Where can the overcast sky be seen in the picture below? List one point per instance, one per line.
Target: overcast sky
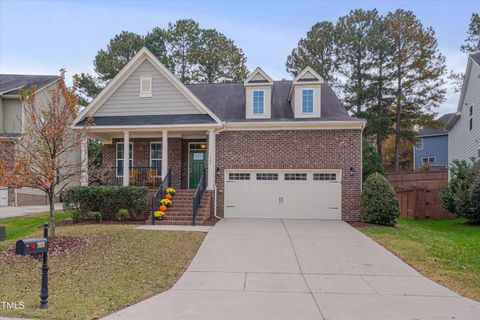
(40, 37)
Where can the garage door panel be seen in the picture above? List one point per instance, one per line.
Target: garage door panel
(280, 198)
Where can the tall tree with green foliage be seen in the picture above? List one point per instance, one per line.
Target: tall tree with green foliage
(472, 42)
(183, 44)
(372, 162)
(471, 45)
(379, 116)
(354, 34)
(193, 54)
(316, 50)
(419, 69)
(108, 63)
(219, 59)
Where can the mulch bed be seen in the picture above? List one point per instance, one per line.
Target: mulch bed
(58, 245)
(90, 222)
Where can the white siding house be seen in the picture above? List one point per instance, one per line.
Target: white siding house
(464, 126)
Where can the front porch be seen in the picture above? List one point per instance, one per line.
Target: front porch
(188, 154)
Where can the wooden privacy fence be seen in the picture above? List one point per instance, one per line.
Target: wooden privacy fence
(418, 193)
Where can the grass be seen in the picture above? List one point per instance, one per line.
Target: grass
(446, 251)
(18, 227)
(119, 266)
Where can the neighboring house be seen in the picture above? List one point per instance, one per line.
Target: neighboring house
(464, 126)
(431, 150)
(267, 149)
(12, 126)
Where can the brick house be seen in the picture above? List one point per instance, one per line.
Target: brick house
(261, 148)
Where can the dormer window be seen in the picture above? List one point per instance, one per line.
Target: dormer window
(258, 102)
(145, 86)
(305, 94)
(258, 95)
(307, 100)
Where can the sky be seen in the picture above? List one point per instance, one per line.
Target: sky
(41, 37)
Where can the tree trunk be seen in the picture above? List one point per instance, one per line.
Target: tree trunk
(397, 135)
(380, 108)
(51, 200)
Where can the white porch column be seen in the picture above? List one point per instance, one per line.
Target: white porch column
(211, 160)
(84, 162)
(126, 158)
(164, 153)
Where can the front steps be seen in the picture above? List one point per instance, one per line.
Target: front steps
(180, 212)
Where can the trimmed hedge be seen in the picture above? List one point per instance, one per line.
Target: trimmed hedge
(107, 200)
(379, 201)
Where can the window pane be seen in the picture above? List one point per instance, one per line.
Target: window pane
(307, 101)
(258, 102)
(295, 176)
(267, 176)
(239, 176)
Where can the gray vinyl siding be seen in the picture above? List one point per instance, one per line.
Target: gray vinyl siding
(166, 99)
(463, 143)
(12, 115)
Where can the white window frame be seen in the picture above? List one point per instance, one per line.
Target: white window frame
(428, 160)
(143, 91)
(253, 103)
(156, 159)
(420, 142)
(313, 100)
(117, 159)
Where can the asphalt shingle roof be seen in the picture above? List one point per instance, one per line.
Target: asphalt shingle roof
(150, 120)
(11, 83)
(227, 101)
(436, 131)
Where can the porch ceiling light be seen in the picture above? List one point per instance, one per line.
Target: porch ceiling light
(203, 146)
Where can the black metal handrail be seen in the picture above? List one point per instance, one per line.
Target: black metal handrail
(197, 198)
(166, 183)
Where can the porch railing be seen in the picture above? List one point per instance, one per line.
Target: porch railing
(197, 198)
(139, 176)
(166, 183)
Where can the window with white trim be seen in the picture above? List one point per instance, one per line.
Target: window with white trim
(419, 145)
(119, 160)
(145, 86)
(258, 102)
(427, 160)
(295, 176)
(239, 176)
(324, 176)
(156, 156)
(307, 100)
(267, 176)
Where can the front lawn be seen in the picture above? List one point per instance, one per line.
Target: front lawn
(111, 267)
(19, 226)
(446, 251)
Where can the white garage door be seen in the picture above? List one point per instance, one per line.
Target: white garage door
(3, 197)
(295, 194)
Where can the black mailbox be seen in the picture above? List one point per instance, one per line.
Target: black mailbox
(31, 246)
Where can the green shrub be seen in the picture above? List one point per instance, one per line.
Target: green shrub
(123, 214)
(456, 196)
(473, 215)
(379, 201)
(95, 215)
(77, 215)
(372, 162)
(107, 200)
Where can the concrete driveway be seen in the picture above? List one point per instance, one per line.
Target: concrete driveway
(299, 269)
(8, 212)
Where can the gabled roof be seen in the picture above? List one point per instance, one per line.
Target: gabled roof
(130, 67)
(473, 60)
(258, 71)
(10, 84)
(227, 101)
(307, 76)
(439, 130)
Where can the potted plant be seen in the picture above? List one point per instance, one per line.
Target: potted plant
(159, 215)
(171, 191)
(166, 202)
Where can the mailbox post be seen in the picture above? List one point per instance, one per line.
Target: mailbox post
(44, 288)
(37, 247)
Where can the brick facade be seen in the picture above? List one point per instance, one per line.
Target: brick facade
(282, 149)
(294, 149)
